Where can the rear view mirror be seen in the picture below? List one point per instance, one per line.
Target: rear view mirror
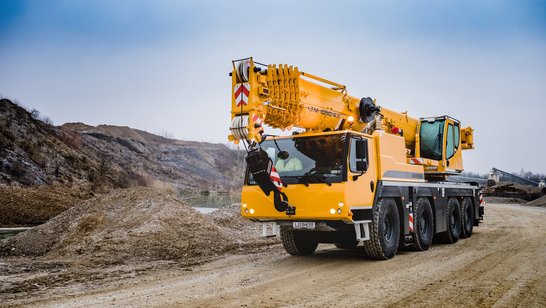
(361, 149)
(361, 157)
(362, 165)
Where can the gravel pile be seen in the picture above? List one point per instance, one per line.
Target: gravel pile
(503, 200)
(136, 224)
(233, 225)
(537, 202)
(514, 190)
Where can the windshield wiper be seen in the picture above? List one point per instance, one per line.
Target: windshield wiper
(322, 178)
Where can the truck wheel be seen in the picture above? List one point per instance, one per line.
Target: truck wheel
(384, 231)
(453, 222)
(467, 218)
(297, 243)
(423, 225)
(346, 244)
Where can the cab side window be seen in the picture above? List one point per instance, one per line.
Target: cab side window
(450, 142)
(457, 137)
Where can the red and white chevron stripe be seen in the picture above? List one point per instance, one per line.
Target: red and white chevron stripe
(416, 161)
(241, 91)
(274, 176)
(411, 222)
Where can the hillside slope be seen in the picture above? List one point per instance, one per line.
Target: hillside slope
(105, 157)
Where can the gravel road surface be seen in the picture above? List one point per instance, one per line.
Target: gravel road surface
(503, 264)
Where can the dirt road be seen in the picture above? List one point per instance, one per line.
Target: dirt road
(502, 264)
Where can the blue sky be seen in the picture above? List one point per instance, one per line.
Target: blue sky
(163, 65)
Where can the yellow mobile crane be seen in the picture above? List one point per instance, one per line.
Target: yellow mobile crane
(358, 173)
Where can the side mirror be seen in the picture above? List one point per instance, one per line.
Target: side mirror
(361, 156)
(361, 149)
(362, 165)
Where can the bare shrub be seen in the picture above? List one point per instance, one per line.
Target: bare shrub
(47, 120)
(131, 178)
(71, 139)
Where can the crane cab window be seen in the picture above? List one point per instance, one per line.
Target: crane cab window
(431, 138)
(452, 143)
(457, 132)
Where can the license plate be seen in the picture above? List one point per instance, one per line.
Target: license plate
(303, 224)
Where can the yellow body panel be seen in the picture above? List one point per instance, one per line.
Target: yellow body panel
(391, 161)
(312, 203)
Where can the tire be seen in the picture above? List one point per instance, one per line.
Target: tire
(297, 243)
(467, 218)
(346, 244)
(423, 225)
(453, 222)
(384, 231)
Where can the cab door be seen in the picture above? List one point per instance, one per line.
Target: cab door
(452, 155)
(361, 172)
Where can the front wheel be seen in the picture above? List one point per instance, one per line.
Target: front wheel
(297, 243)
(384, 231)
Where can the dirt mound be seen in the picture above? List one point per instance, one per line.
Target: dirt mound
(503, 200)
(231, 223)
(30, 206)
(514, 190)
(127, 225)
(537, 202)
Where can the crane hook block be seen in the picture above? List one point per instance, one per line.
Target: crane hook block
(264, 174)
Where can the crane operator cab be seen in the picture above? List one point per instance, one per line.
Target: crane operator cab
(440, 141)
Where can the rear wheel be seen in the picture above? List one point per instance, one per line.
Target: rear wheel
(297, 243)
(423, 225)
(384, 231)
(453, 222)
(467, 218)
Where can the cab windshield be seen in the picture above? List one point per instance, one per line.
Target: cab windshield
(317, 159)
